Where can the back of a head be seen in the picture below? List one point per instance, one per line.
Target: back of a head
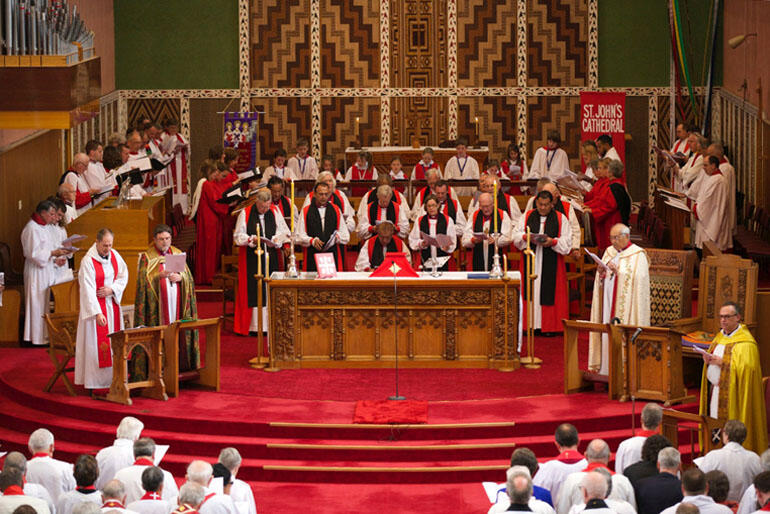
(199, 472)
(86, 470)
(687, 508)
(762, 482)
(595, 486)
(736, 431)
(652, 414)
(694, 481)
(144, 447)
(669, 459)
(230, 458)
(9, 477)
(718, 485)
(130, 428)
(607, 478)
(24, 509)
(40, 440)
(525, 457)
(652, 446)
(598, 451)
(566, 435)
(152, 479)
(15, 460)
(519, 485)
(114, 490)
(87, 508)
(191, 494)
(616, 168)
(764, 460)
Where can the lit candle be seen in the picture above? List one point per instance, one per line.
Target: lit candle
(494, 213)
(291, 207)
(267, 262)
(476, 121)
(358, 125)
(259, 257)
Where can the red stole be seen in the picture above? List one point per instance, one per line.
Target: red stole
(40, 454)
(646, 433)
(183, 155)
(37, 219)
(13, 490)
(375, 259)
(104, 350)
(678, 145)
(150, 496)
(570, 457)
(113, 504)
(185, 509)
(357, 174)
(144, 461)
(207, 498)
(593, 466)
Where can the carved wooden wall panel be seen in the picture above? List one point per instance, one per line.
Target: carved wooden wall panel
(280, 43)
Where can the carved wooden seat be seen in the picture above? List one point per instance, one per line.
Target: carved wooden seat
(62, 333)
(671, 284)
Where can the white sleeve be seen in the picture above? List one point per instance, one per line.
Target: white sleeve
(451, 231)
(467, 233)
(301, 232)
(461, 221)
(564, 242)
(37, 252)
(363, 225)
(89, 304)
(513, 205)
(240, 237)
(306, 202)
(519, 232)
(342, 232)
(574, 226)
(121, 280)
(414, 237)
(403, 223)
(363, 203)
(282, 232)
(362, 263)
(506, 231)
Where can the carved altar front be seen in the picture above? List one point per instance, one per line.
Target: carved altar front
(448, 322)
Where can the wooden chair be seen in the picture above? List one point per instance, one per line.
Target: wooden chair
(208, 374)
(671, 284)
(10, 314)
(62, 333)
(704, 426)
(66, 296)
(227, 278)
(576, 273)
(575, 379)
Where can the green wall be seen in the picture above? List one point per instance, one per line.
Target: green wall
(635, 41)
(176, 44)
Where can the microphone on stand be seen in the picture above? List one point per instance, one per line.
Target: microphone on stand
(636, 335)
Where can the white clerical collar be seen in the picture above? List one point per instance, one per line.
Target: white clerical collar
(731, 333)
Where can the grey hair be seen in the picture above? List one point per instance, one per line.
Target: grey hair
(230, 458)
(764, 460)
(144, 447)
(616, 168)
(652, 413)
(263, 195)
(103, 232)
(598, 451)
(114, 490)
(86, 507)
(40, 439)
(517, 494)
(431, 172)
(130, 428)
(323, 175)
(199, 472)
(607, 476)
(15, 460)
(384, 191)
(669, 458)
(191, 494)
(595, 485)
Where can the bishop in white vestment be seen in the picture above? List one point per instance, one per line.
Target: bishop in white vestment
(712, 208)
(622, 292)
(103, 277)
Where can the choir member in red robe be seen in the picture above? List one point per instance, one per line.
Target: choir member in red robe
(209, 225)
(514, 167)
(362, 169)
(609, 202)
(427, 163)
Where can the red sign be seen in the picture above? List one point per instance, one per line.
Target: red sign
(324, 263)
(604, 113)
(395, 263)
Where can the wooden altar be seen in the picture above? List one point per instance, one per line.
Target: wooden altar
(133, 227)
(348, 322)
(382, 155)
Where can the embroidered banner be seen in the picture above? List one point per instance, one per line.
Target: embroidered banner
(604, 113)
(241, 133)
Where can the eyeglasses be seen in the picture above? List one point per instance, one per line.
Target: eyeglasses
(619, 236)
(727, 316)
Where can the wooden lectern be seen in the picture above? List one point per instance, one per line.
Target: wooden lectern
(123, 343)
(208, 374)
(575, 379)
(652, 363)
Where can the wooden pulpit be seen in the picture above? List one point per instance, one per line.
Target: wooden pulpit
(208, 374)
(652, 363)
(123, 343)
(575, 379)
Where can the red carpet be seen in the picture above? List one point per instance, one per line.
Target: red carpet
(294, 430)
(390, 412)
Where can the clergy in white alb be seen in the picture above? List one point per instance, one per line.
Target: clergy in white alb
(739, 464)
(398, 197)
(114, 498)
(621, 290)
(103, 276)
(67, 194)
(240, 491)
(55, 475)
(728, 171)
(338, 198)
(200, 472)
(178, 169)
(432, 177)
(485, 227)
(695, 489)
(689, 173)
(432, 223)
(505, 201)
(131, 477)
(594, 488)
(748, 502)
(121, 454)
(152, 501)
(598, 456)
(712, 208)
(374, 250)
(552, 473)
(11, 485)
(549, 161)
(85, 473)
(19, 461)
(562, 205)
(630, 450)
(96, 176)
(552, 242)
(382, 208)
(42, 256)
(462, 166)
